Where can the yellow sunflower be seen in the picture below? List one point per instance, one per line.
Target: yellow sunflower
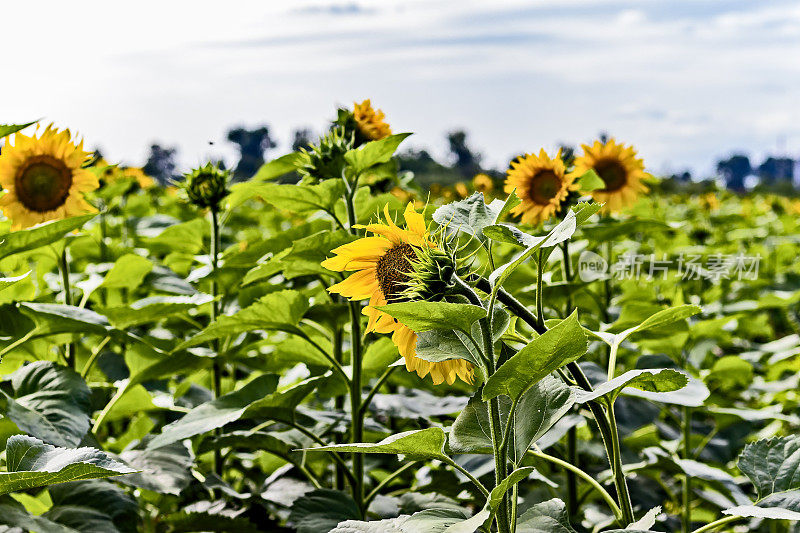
(43, 178)
(541, 183)
(482, 183)
(620, 169)
(370, 121)
(381, 263)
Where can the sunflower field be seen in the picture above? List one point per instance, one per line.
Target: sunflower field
(326, 347)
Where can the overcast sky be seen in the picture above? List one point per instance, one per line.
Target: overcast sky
(685, 81)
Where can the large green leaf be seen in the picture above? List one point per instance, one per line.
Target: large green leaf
(426, 316)
(216, 413)
(52, 319)
(50, 402)
(773, 465)
(280, 310)
(41, 235)
(538, 409)
(560, 233)
(659, 380)
(16, 516)
(421, 444)
(152, 309)
(373, 153)
(278, 167)
(322, 510)
(94, 505)
(470, 215)
(128, 272)
(281, 405)
(300, 199)
(166, 470)
(562, 344)
(32, 463)
(545, 517)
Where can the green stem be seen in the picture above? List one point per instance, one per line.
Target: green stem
(64, 267)
(378, 384)
(95, 353)
(22, 340)
(586, 477)
(717, 523)
(388, 479)
(572, 433)
(467, 473)
(215, 311)
(687, 480)
(539, 286)
(620, 483)
(338, 402)
(356, 413)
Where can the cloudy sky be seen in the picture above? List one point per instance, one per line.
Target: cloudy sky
(686, 81)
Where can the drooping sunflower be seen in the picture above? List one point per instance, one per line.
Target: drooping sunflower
(44, 178)
(381, 263)
(541, 183)
(618, 167)
(370, 122)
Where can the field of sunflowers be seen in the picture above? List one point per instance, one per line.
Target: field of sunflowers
(326, 347)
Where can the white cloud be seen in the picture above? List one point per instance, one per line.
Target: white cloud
(685, 84)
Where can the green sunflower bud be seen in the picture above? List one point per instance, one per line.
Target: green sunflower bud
(433, 272)
(325, 160)
(206, 186)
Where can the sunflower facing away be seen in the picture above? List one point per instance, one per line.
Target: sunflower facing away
(370, 122)
(43, 178)
(618, 166)
(381, 263)
(541, 183)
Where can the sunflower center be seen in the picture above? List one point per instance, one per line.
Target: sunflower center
(392, 269)
(42, 183)
(612, 173)
(545, 185)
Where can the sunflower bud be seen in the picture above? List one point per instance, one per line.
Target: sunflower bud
(206, 186)
(325, 160)
(433, 272)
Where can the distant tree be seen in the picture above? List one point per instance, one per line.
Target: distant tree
(776, 169)
(161, 164)
(302, 138)
(734, 170)
(253, 146)
(467, 162)
(426, 169)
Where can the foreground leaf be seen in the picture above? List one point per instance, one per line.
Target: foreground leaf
(562, 344)
(280, 310)
(662, 380)
(216, 413)
(32, 463)
(426, 316)
(420, 444)
(51, 402)
(322, 510)
(41, 235)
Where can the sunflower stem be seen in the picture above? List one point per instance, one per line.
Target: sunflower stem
(499, 436)
(356, 412)
(215, 311)
(572, 433)
(64, 267)
(686, 517)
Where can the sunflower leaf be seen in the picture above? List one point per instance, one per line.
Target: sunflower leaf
(41, 235)
(373, 152)
(427, 316)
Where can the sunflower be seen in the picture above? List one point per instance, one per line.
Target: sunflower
(370, 122)
(541, 183)
(44, 178)
(482, 183)
(381, 262)
(618, 167)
